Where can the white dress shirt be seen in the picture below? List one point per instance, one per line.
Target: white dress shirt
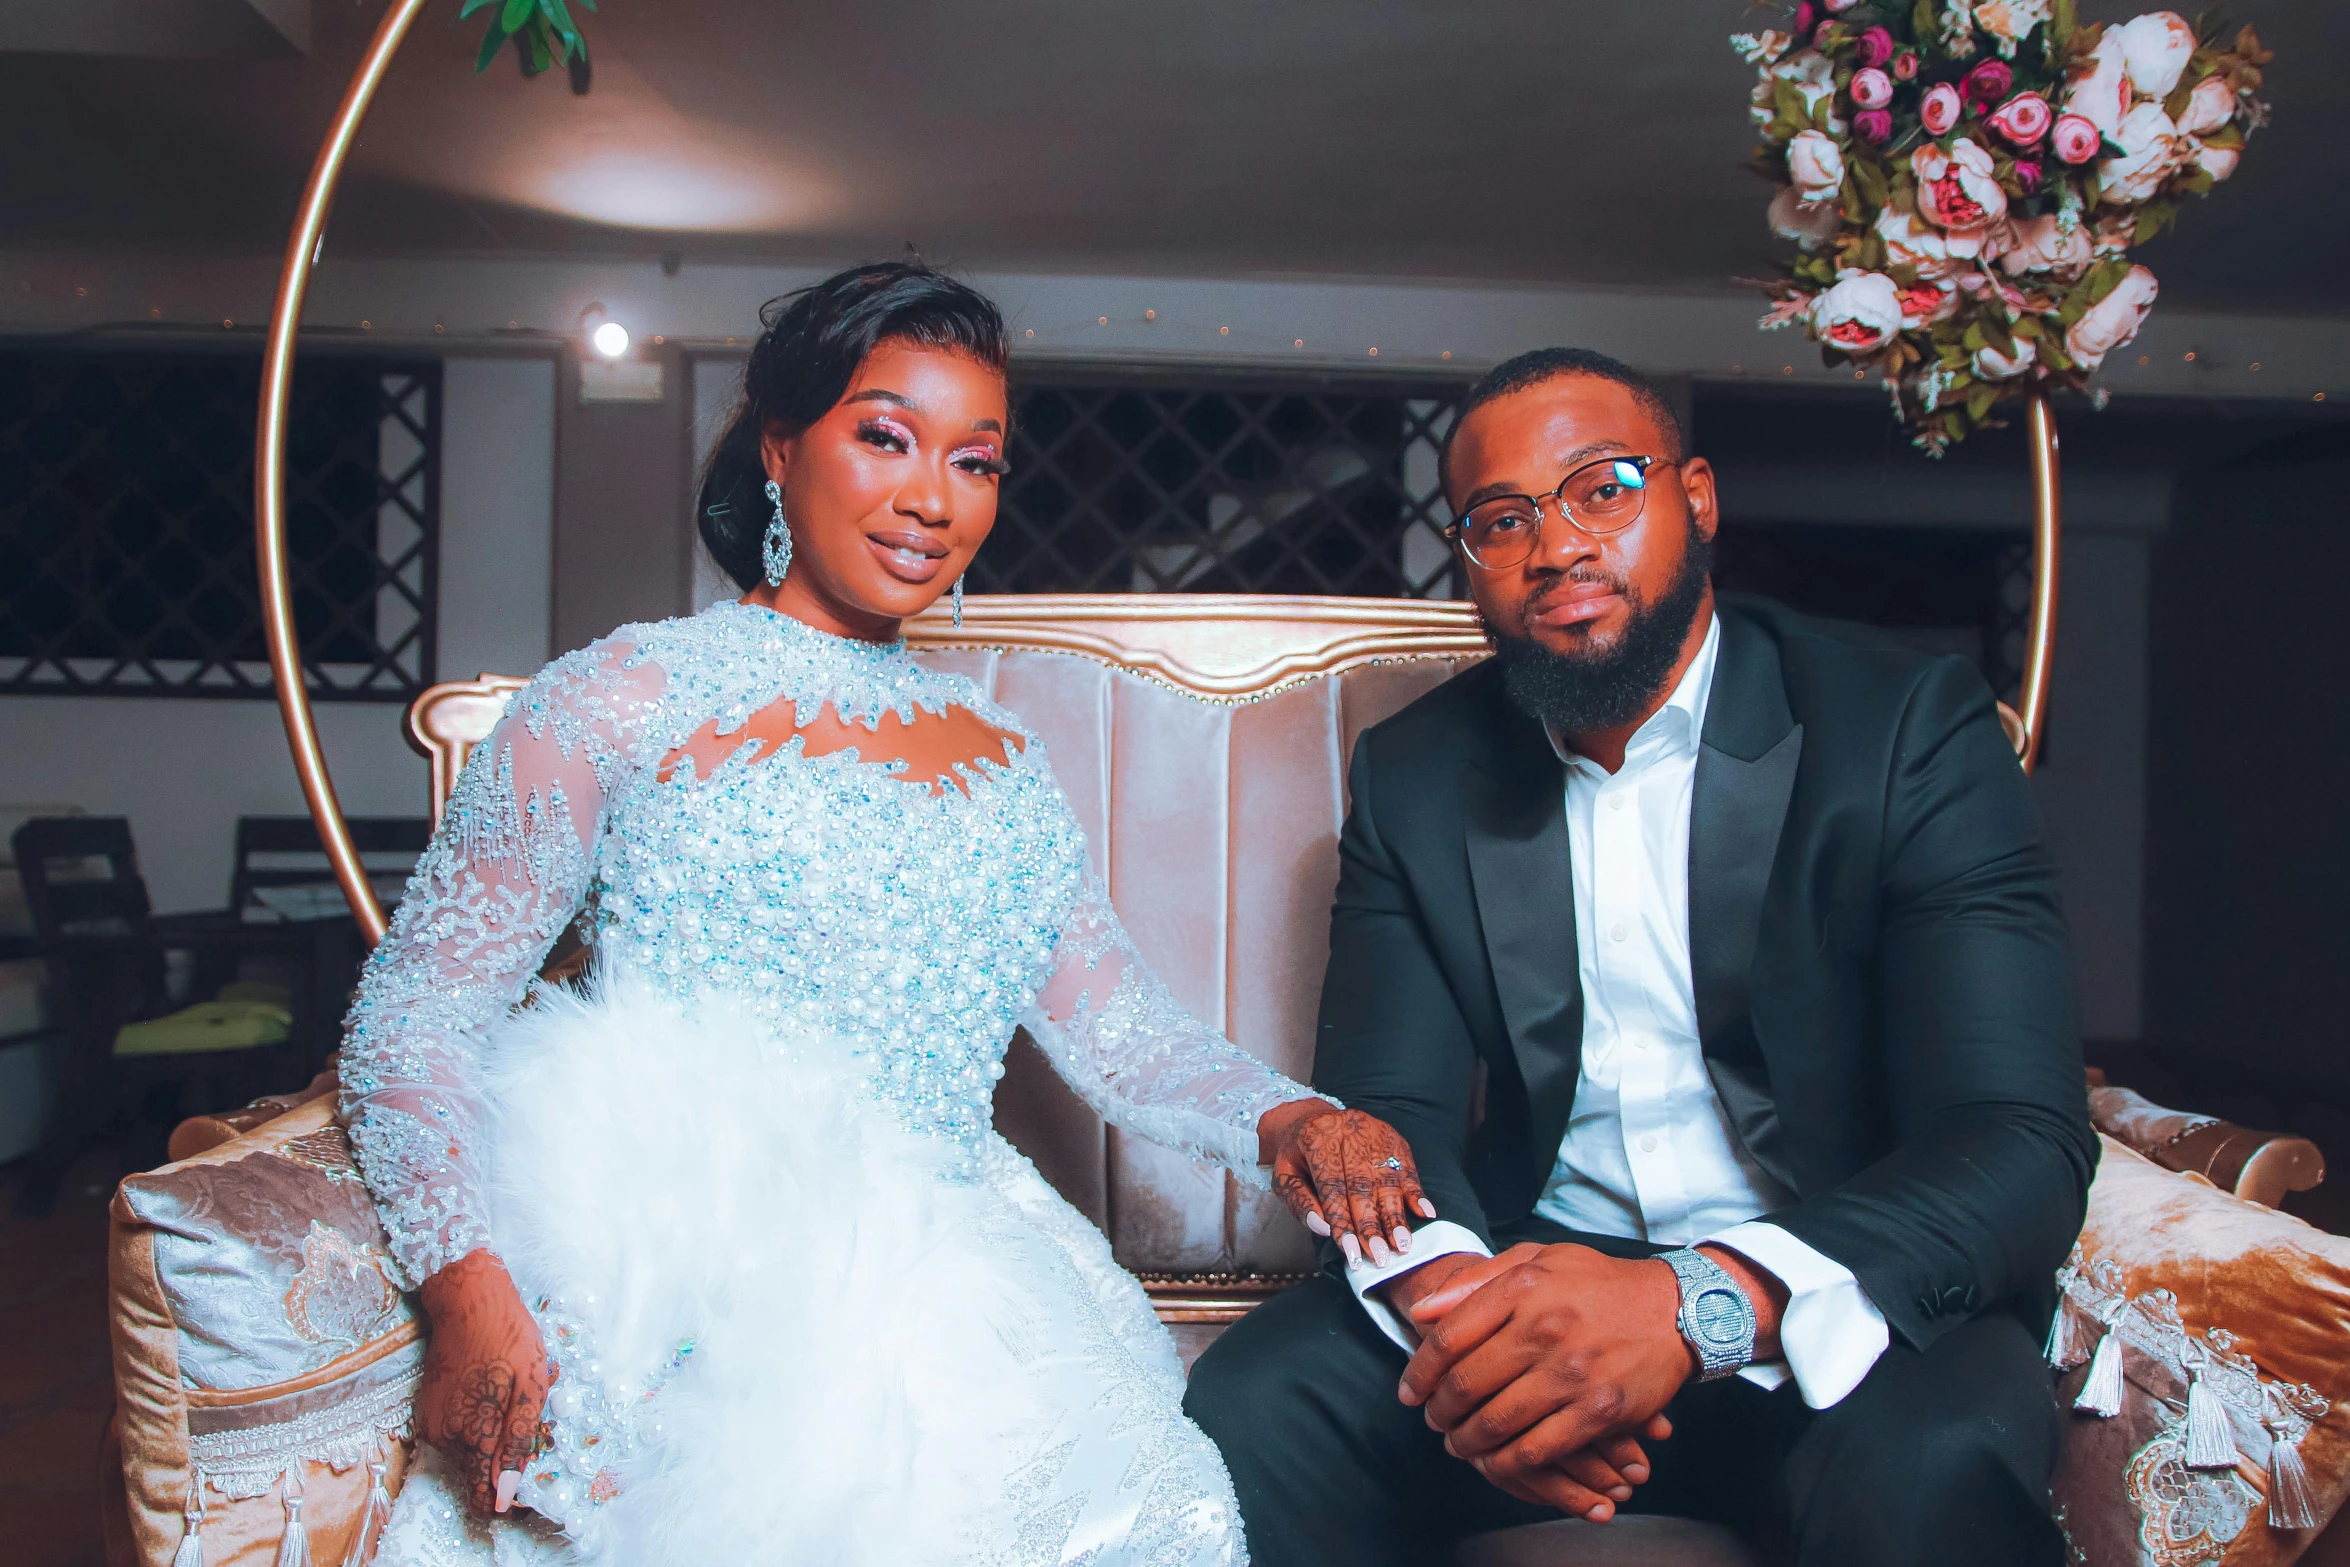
(1649, 1152)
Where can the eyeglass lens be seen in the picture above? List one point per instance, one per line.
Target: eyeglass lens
(1603, 497)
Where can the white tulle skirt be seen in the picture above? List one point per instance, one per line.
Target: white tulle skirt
(784, 1336)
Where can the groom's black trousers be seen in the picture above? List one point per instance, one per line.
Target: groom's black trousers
(1940, 1456)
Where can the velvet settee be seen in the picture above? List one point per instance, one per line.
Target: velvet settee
(264, 1361)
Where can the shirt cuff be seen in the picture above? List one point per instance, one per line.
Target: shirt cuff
(1830, 1334)
(1442, 1238)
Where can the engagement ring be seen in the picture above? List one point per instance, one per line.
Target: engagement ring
(1391, 1162)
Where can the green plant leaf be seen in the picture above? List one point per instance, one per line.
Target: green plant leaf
(565, 29)
(1995, 332)
(1979, 401)
(534, 34)
(472, 6)
(2027, 326)
(2064, 20)
(2105, 277)
(491, 43)
(511, 18)
(2210, 22)
(1926, 19)
(1869, 177)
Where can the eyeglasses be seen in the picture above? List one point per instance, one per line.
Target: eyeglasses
(1603, 496)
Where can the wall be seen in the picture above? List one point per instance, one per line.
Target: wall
(183, 771)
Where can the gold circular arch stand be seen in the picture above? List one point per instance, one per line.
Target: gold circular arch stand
(269, 497)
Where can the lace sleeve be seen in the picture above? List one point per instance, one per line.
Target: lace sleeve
(503, 876)
(1116, 1036)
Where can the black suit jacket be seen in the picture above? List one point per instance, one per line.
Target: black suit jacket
(1883, 984)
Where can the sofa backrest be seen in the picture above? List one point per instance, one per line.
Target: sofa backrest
(1203, 742)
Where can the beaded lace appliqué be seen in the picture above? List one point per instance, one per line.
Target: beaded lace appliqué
(823, 893)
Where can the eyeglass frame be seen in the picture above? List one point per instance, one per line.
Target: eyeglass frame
(1457, 531)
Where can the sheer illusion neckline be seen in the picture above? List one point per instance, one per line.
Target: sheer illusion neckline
(854, 646)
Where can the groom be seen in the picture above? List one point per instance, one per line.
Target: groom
(1710, 959)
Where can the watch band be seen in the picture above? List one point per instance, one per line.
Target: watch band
(1716, 1318)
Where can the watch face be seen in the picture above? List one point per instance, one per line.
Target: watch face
(1720, 1317)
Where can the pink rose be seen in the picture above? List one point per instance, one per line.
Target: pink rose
(1874, 126)
(1934, 254)
(1875, 46)
(1839, 7)
(2218, 162)
(2100, 91)
(1905, 66)
(1929, 302)
(2210, 106)
(1956, 190)
(1806, 19)
(2156, 48)
(1871, 89)
(1860, 314)
(1824, 34)
(2112, 321)
(1816, 164)
(1809, 224)
(2074, 138)
(1988, 82)
(1992, 365)
(2027, 174)
(2023, 119)
(1941, 108)
(2150, 154)
(2043, 245)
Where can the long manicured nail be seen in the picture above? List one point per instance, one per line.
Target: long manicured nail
(1427, 1209)
(1353, 1249)
(1318, 1224)
(509, 1487)
(1379, 1252)
(1403, 1240)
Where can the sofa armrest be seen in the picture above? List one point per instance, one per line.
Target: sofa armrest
(203, 1133)
(2257, 1166)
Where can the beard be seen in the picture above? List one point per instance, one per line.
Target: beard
(1606, 687)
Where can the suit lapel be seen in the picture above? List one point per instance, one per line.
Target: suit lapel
(1746, 768)
(1518, 863)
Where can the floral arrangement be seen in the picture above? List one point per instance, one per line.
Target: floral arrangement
(1965, 180)
(543, 33)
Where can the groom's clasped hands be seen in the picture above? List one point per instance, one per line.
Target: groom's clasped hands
(1547, 1366)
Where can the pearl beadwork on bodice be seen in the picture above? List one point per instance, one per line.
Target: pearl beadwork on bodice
(826, 895)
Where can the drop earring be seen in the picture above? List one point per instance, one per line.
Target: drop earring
(775, 549)
(958, 603)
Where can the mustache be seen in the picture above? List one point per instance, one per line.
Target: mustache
(1582, 576)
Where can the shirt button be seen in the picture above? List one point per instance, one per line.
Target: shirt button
(1648, 1143)
(1617, 932)
(1615, 802)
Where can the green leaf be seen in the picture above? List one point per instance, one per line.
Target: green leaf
(1995, 332)
(2027, 326)
(2105, 277)
(511, 18)
(472, 6)
(534, 33)
(1926, 18)
(490, 45)
(2229, 135)
(1823, 113)
(1974, 339)
(565, 29)
(2064, 21)
(1979, 401)
(1788, 102)
(2053, 355)
(1869, 178)
(2210, 22)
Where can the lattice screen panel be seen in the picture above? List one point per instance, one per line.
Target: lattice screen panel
(126, 524)
(1234, 486)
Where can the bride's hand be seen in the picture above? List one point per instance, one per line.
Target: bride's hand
(1348, 1175)
(485, 1378)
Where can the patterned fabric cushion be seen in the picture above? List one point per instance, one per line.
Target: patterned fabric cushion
(259, 1345)
(2231, 1323)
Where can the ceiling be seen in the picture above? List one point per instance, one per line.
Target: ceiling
(1561, 142)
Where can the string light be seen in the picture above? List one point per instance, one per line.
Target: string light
(366, 326)
(1447, 354)
(1786, 369)
(2145, 359)
(1222, 331)
(2190, 356)
(226, 324)
(2255, 364)
(1374, 353)
(1300, 343)
(1102, 321)
(1150, 315)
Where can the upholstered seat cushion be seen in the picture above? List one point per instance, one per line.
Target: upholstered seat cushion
(206, 1026)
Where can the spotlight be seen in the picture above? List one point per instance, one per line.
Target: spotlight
(610, 339)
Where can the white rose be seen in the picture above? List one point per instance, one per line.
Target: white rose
(1909, 243)
(2042, 245)
(2112, 321)
(1813, 76)
(1992, 365)
(2156, 47)
(2011, 21)
(1816, 164)
(2210, 106)
(1809, 224)
(1860, 314)
(2100, 93)
(1760, 48)
(2218, 162)
(1957, 190)
(2150, 155)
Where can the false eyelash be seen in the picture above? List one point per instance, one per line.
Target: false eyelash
(868, 429)
(994, 466)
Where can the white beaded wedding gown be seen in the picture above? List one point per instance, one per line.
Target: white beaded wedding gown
(806, 1306)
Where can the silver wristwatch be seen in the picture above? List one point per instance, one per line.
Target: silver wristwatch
(1716, 1318)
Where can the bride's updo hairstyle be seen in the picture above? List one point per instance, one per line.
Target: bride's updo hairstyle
(802, 364)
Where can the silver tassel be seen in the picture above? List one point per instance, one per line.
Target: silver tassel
(2101, 1392)
(2065, 1349)
(191, 1551)
(2210, 1443)
(293, 1547)
(373, 1522)
(958, 603)
(2289, 1506)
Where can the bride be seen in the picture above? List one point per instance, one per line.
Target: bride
(722, 1257)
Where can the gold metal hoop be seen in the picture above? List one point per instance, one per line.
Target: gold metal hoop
(269, 480)
(269, 497)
